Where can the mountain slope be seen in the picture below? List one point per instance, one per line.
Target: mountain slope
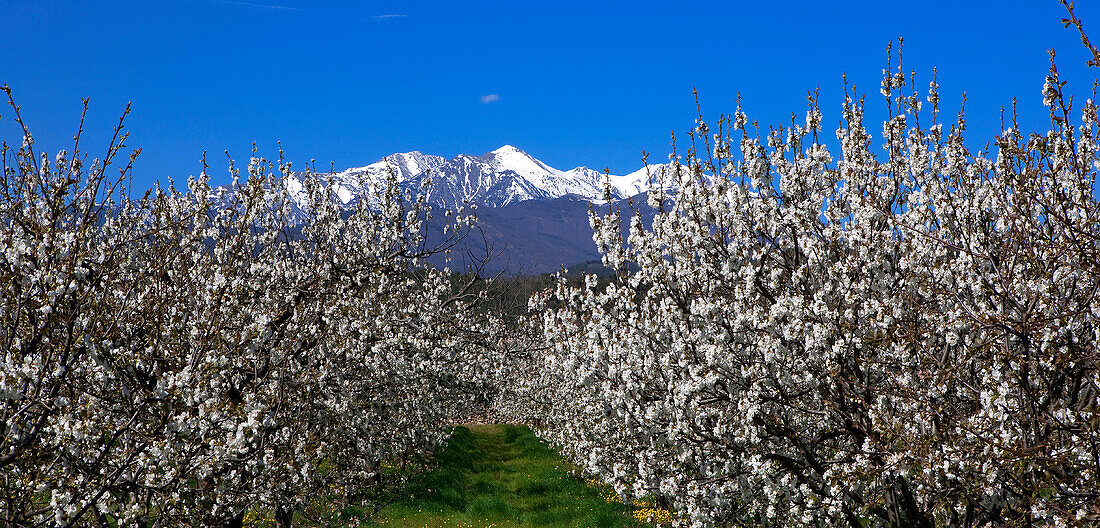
(532, 237)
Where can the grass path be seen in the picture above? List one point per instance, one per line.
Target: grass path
(501, 476)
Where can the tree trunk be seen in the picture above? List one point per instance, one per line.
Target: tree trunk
(902, 510)
(237, 521)
(283, 517)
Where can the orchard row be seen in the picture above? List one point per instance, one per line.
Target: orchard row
(856, 335)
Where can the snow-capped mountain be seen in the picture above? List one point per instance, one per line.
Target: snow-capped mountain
(502, 177)
(533, 216)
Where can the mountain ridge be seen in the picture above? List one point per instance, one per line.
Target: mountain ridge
(505, 176)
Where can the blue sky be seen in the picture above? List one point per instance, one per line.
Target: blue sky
(573, 83)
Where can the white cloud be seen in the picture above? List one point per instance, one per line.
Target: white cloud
(491, 98)
(239, 3)
(383, 17)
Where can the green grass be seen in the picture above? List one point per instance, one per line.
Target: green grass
(501, 476)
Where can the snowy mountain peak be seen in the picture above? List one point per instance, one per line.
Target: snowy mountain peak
(520, 162)
(508, 149)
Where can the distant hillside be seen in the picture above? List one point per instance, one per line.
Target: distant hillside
(535, 236)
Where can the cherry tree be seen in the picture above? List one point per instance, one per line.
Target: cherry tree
(894, 337)
(175, 363)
